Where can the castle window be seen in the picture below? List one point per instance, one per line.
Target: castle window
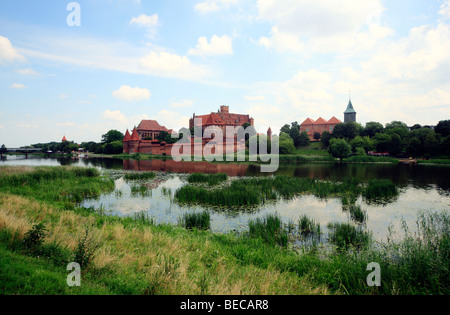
(331, 128)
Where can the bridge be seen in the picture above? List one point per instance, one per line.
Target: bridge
(25, 151)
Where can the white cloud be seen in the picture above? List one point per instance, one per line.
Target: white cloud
(127, 93)
(182, 104)
(208, 6)
(254, 98)
(322, 26)
(7, 52)
(28, 71)
(222, 45)
(66, 124)
(445, 9)
(116, 116)
(171, 65)
(171, 119)
(149, 22)
(17, 86)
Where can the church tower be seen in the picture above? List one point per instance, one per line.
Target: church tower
(350, 113)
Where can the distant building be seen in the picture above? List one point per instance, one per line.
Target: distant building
(143, 139)
(318, 126)
(150, 129)
(222, 119)
(64, 139)
(350, 113)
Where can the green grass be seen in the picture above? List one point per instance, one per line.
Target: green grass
(345, 235)
(435, 161)
(371, 159)
(269, 229)
(195, 220)
(210, 179)
(136, 256)
(60, 185)
(380, 190)
(256, 191)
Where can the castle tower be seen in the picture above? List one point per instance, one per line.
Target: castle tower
(133, 144)
(126, 142)
(269, 134)
(350, 113)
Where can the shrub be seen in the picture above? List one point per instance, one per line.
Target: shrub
(35, 237)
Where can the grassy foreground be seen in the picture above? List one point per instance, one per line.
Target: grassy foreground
(42, 230)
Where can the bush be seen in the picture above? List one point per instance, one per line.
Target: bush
(35, 237)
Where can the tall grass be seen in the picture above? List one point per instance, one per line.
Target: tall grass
(380, 190)
(64, 185)
(195, 220)
(269, 229)
(255, 191)
(210, 179)
(346, 235)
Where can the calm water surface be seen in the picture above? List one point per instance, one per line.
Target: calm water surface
(423, 188)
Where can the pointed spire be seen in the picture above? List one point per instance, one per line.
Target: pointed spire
(127, 136)
(135, 135)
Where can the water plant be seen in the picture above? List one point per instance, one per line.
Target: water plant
(380, 190)
(210, 179)
(269, 229)
(308, 226)
(195, 220)
(346, 235)
(357, 214)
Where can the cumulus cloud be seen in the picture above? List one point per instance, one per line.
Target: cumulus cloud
(7, 52)
(182, 104)
(219, 45)
(166, 64)
(445, 9)
(28, 71)
(127, 93)
(322, 25)
(149, 22)
(208, 6)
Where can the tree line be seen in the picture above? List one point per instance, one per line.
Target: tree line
(395, 139)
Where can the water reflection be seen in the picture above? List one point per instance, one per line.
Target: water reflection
(167, 165)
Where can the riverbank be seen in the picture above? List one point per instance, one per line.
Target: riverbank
(134, 255)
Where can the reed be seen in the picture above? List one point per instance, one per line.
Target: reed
(346, 235)
(308, 226)
(269, 229)
(380, 190)
(210, 179)
(357, 214)
(140, 190)
(195, 220)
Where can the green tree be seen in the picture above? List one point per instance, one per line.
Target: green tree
(347, 130)
(286, 144)
(372, 128)
(286, 129)
(294, 133)
(111, 136)
(395, 145)
(382, 141)
(325, 140)
(397, 127)
(443, 128)
(339, 148)
(317, 136)
(3, 150)
(304, 140)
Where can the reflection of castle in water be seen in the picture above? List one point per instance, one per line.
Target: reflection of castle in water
(169, 165)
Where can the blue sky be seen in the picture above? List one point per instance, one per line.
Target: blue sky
(279, 61)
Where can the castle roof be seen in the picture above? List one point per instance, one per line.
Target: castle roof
(350, 109)
(127, 136)
(224, 118)
(64, 139)
(151, 125)
(334, 120)
(134, 136)
(320, 121)
(308, 121)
